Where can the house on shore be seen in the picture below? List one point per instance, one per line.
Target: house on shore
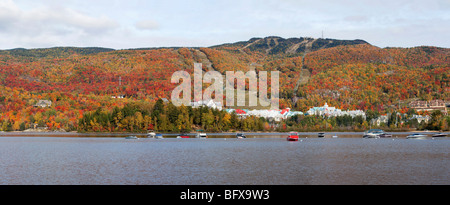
(381, 119)
(421, 118)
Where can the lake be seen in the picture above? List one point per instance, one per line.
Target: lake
(260, 159)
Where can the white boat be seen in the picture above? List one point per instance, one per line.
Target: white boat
(131, 137)
(158, 136)
(335, 136)
(373, 133)
(439, 135)
(151, 135)
(416, 136)
(201, 135)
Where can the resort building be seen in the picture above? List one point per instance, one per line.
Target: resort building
(334, 112)
(429, 105)
(276, 115)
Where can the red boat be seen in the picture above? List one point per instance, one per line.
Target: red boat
(183, 136)
(293, 136)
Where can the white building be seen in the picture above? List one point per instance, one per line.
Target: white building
(381, 119)
(210, 104)
(334, 112)
(276, 115)
(421, 118)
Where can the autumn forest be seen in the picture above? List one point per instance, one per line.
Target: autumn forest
(107, 90)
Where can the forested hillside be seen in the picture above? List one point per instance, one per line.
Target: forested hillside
(346, 74)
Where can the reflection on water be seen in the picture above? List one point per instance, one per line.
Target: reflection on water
(224, 160)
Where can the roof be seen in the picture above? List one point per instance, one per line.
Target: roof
(284, 111)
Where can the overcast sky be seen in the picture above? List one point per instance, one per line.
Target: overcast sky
(122, 24)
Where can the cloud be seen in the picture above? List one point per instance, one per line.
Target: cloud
(147, 25)
(137, 23)
(84, 22)
(48, 25)
(356, 18)
(8, 14)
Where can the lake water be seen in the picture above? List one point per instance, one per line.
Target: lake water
(259, 159)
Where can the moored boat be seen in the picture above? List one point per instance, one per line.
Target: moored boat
(131, 137)
(385, 135)
(201, 135)
(182, 136)
(439, 135)
(321, 134)
(416, 136)
(151, 135)
(374, 133)
(158, 136)
(293, 136)
(240, 135)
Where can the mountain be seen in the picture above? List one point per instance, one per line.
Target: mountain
(274, 45)
(271, 45)
(55, 52)
(348, 74)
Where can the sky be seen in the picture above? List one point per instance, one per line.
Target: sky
(123, 24)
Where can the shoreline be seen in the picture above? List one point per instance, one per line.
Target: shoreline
(75, 133)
